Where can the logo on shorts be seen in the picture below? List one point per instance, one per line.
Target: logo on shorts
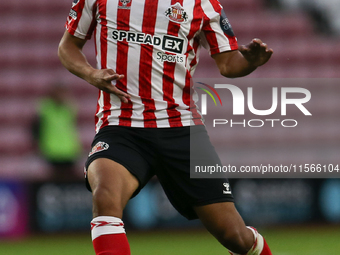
(124, 4)
(85, 172)
(100, 146)
(176, 13)
(227, 188)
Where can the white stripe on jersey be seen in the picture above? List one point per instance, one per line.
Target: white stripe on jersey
(133, 68)
(180, 70)
(111, 62)
(157, 71)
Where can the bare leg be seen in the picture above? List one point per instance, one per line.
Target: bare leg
(224, 222)
(112, 186)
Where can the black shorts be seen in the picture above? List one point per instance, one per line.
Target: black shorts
(164, 152)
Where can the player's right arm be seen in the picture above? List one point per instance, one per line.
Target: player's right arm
(71, 56)
(246, 59)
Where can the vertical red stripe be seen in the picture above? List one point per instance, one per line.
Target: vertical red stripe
(196, 19)
(93, 24)
(103, 57)
(188, 89)
(195, 46)
(169, 77)
(210, 35)
(194, 27)
(123, 20)
(145, 66)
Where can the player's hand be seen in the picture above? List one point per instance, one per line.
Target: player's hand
(103, 80)
(256, 52)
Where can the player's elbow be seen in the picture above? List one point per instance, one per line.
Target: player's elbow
(61, 50)
(232, 64)
(227, 72)
(233, 72)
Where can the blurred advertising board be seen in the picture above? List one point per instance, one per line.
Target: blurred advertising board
(14, 211)
(60, 207)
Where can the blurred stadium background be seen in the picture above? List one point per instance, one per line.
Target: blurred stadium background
(298, 216)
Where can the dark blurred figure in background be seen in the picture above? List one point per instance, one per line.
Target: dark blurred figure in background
(55, 132)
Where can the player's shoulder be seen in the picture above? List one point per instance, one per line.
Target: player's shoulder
(211, 5)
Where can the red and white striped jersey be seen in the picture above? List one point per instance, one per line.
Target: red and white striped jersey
(155, 44)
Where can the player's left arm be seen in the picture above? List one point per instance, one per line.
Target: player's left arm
(243, 61)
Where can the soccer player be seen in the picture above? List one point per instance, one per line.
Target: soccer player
(147, 51)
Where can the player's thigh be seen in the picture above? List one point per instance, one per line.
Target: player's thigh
(117, 168)
(112, 186)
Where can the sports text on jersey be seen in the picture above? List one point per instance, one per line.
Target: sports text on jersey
(161, 56)
(168, 43)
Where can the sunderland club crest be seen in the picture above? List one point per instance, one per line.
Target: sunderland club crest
(100, 146)
(176, 13)
(124, 4)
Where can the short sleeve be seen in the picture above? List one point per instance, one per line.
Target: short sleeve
(81, 19)
(217, 34)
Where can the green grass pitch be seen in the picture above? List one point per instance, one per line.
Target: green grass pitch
(283, 241)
